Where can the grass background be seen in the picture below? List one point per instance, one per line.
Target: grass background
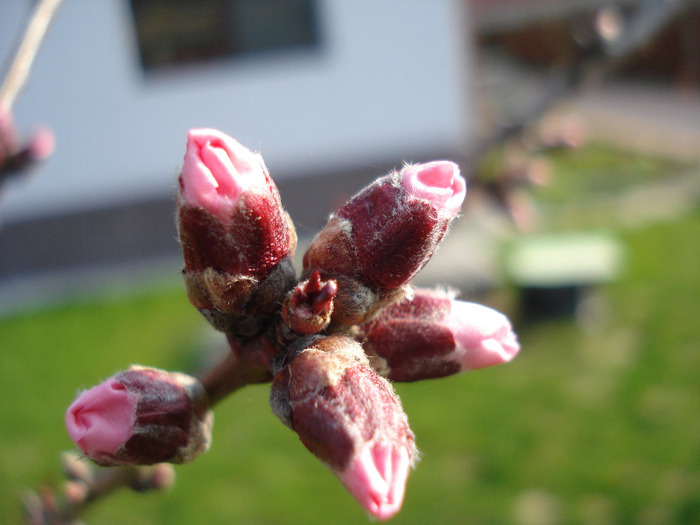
(595, 423)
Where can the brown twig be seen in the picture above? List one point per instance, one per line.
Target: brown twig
(246, 363)
(18, 73)
(87, 484)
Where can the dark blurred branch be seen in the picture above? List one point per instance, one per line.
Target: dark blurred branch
(651, 17)
(600, 50)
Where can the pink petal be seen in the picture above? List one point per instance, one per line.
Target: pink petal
(101, 419)
(217, 170)
(483, 336)
(438, 182)
(42, 143)
(377, 478)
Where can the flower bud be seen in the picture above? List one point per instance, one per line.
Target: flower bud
(160, 476)
(236, 239)
(380, 239)
(433, 335)
(307, 309)
(141, 416)
(350, 418)
(16, 156)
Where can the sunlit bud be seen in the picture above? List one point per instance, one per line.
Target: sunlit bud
(380, 239)
(154, 477)
(433, 335)
(236, 239)
(141, 416)
(350, 418)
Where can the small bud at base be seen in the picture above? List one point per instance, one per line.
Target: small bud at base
(307, 309)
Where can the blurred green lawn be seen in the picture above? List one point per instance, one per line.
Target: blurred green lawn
(595, 425)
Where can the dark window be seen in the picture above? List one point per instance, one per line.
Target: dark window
(173, 32)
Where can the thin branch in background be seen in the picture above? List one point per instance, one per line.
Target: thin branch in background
(601, 52)
(603, 44)
(16, 157)
(18, 73)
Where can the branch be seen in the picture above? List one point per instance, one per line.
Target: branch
(18, 73)
(595, 58)
(87, 484)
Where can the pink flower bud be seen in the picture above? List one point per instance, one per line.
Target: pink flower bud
(141, 416)
(16, 156)
(438, 182)
(377, 477)
(375, 244)
(432, 335)
(350, 418)
(217, 171)
(41, 144)
(101, 419)
(237, 240)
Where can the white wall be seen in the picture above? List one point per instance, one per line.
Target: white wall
(388, 82)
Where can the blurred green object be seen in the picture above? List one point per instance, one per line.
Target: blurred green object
(553, 272)
(549, 260)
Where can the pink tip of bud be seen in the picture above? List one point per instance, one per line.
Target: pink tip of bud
(42, 143)
(483, 336)
(438, 182)
(101, 419)
(377, 478)
(217, 170)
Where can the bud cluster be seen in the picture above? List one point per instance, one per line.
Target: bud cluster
(330, 341)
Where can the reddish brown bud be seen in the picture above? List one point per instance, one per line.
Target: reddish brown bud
(307, 309)
(350, 418)
(432, 335)
(142, 416)
(237, 240)
(375, 244)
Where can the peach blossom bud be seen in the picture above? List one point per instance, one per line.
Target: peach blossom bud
(433, 335)
(76, 468)
(141, 416)
(160, 476)
(237, 241)
(350, 418)
(75, 492)
(16, 156)
(380, 239)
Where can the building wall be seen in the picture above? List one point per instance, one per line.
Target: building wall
(388, 83)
